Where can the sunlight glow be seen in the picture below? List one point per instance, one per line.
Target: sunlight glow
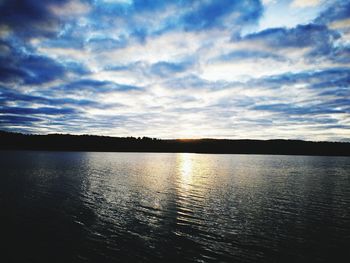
(185, 169)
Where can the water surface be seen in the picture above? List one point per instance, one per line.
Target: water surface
(162, 207)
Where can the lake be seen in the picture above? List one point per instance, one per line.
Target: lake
(173, 207)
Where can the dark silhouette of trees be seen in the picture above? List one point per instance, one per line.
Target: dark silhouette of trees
(65, 142)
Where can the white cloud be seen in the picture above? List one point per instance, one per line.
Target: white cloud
(305, 3)
(340, 24)
(267, 2)
(71, 8)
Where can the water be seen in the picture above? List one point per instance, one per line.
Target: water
(160, 207)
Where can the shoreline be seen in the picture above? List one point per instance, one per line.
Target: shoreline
(90, 143)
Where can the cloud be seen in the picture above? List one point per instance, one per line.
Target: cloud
(96, 86)
(169, 68)
(176, 68)
(300, 36)
(249, 54)
(337, 11)
(9, 95)
(221, 13)
(26, 68)
(105, 43)
(144, 19)
(30, 18)
(70, 8)
(318, 39)
(332, 77)
(35, 111)
(19, 120)
(290, 109)
(305, 3)
(31, 70)
(340, 24)
(266, 2)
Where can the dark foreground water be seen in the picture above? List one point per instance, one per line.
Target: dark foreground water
(150, 207)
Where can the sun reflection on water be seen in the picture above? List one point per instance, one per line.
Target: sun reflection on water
(185, 170)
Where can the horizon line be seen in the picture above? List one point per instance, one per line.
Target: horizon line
(165, 139)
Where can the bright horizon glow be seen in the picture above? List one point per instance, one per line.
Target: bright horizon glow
(177, 69)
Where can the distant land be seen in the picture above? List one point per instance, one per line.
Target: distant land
(66, 142)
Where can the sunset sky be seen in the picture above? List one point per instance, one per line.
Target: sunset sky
(176, 69)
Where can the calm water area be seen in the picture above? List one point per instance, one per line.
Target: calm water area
(173, 207)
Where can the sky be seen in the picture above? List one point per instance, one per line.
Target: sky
(270, 69)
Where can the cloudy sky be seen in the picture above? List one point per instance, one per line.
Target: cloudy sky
(176, 69)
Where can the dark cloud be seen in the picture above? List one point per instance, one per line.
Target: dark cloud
(24, 66)
(340, 103)
(339, 10)
(338, 92)
(292, 109)
(34, 69)
(8, 95)
(21, 64)
(29, 18)
(167, 68)
(39, 69)
(340, 54)
(19, 120)
(212, 13)
(8, 74)
(95, 86)
(317, 79)
(317, 36)
(35, 111)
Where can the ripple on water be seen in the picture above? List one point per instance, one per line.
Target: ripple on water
(103, 207)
